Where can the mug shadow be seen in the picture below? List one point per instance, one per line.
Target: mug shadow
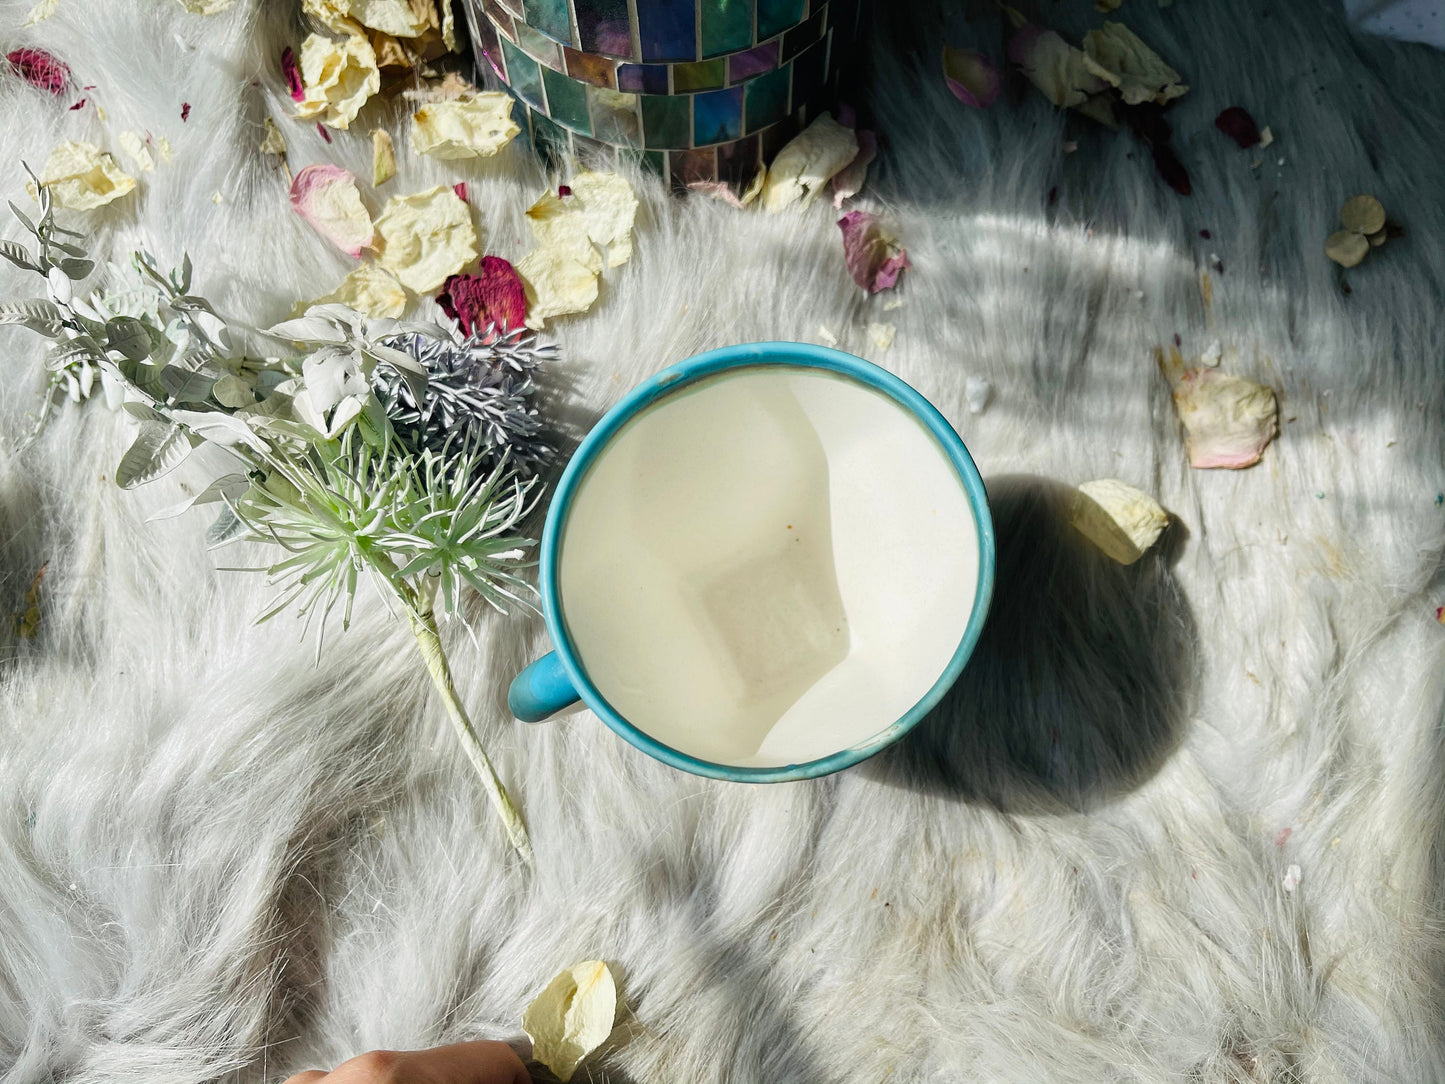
(1081, 683)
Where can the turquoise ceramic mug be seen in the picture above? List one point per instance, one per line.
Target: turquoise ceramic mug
(765, 563)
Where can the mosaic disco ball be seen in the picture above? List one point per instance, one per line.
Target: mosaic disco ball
(698, 90)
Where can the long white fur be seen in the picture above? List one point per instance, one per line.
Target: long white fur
(220, 861)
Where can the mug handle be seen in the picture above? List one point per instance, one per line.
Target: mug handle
(541, 690)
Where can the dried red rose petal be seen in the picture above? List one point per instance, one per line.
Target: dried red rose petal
(460, 188)
(493, 296)
(324, 133)
(185, 111)
(292, 72)
(39, 69)
(873, 255)
(563, 191)
(1238, 126)
(78, 105)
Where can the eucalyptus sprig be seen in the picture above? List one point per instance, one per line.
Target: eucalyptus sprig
(319, 468)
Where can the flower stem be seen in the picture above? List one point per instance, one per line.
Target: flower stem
(424, 628)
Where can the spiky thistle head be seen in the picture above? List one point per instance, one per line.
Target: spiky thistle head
(477, 397)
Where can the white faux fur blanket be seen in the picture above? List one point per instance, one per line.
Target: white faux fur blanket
(220, 861)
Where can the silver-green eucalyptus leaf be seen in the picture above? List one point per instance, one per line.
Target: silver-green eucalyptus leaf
(76, 268)
(18, 254)
(82, 348)
(159, 448)
(186, 386)
(128, 336)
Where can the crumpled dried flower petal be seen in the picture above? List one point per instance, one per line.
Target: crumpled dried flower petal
(874, 257)
(1238, 125)
(137, 150)
(339, 78)
(369, 289)
(291, 72)
(972, 77)
(474, 127)
(274, 143)
(1054, 66)
(400, 18)
(331, 14)
(493, 296)
(1121, 520)
(206, 7)
(847, 183)
(571, 1017)
(1117, 55)
(1227, 420)
(598, 209)
(807, 163)
(881, 335)
(81, 176)
(383, 157)
(426, 237)
(43, 9)
(40, 69)
(556, 284)
(327, 197)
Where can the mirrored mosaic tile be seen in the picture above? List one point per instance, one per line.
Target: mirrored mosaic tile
(808, 72)
(702, 75)
(717, 116)
(767, 99)
(727, 25)
(686, 167)
(500, 18)
(805, 34)
(603, 27)
(737, 162)
(539, 47)
(666, 121)
(590, 68)
(642, 78)
(550, 17)
(523, 75)
(615, 116)
(567, 101)
(775, 16)
(666, 29)
(743, 66)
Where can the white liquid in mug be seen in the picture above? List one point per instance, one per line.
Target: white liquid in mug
(768, 567)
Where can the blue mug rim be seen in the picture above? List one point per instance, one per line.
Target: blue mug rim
(665, 383)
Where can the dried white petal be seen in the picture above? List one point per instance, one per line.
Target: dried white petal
(136, 150)
(1121, 520)
(805, 165)
(1117, 55)
(369, 289)
(556, 284)
(473, 127)
(80, 176)
(425, 237)
(1227, 420)
(43, 10)
(881, 335)
(977, 391)
(1292, 877)
(383, 157)
(339, 77)
(571, 1017)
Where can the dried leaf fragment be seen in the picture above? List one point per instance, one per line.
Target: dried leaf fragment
(81, 176)
(972, 77)
(472, 127)
(383, 157)
(1363, 214)
(1227, 420)
(1346, 247)
(1117, 55)
(571, 1017)
(808, 162)
(1121, 520)
(327, 197)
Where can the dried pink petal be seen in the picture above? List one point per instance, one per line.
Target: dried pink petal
(327, 197)
(39, 69)
(1239, 126)
(717, 190)
(78, 105)
(185, 111)
(292, 71)
(972, 77)
(494, 296)
(460, 188)
(873, 255)
(1227, 420)
(847, 182)
(324, 133)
